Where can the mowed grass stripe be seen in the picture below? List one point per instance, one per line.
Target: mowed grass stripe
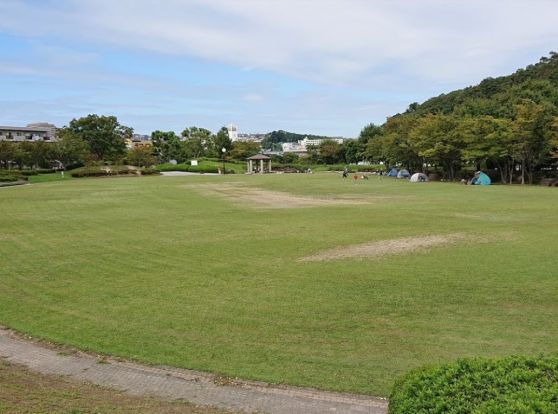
(147, 268)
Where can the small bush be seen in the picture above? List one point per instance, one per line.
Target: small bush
(149, 171)
(8, 177)
(480, 386)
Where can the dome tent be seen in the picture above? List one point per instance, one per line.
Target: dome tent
(419, 178)
(481, 179)
(403, 174)
(392, 172)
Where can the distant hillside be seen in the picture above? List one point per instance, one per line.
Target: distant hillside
(497, 96)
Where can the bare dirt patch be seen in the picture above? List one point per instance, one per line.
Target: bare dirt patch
(260, 198)
(382, 248)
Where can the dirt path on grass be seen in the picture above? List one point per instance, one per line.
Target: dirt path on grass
(382, 248)
(261, 198)
(404, 245)
(180, 384)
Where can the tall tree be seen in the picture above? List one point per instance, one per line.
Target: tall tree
(220, 141)
(534, 133)
(330, 152)
(70, 149)
(242, 150)
(435, 140)
(104, 135)
(167, 146)
(196, 142)
(7, 153)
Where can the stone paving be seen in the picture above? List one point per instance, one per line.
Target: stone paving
(172, 383)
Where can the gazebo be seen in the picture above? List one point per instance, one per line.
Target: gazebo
(264, 161)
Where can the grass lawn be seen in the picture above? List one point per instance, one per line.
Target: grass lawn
(156, 269)
(25, 392)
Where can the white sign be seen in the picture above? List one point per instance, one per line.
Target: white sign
(194, 163)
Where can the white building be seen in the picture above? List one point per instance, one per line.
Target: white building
(233, 132)
(40, 131)
(301, 147)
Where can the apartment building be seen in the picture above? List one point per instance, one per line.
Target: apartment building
(40, 131)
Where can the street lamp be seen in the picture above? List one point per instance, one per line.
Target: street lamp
(223, 150)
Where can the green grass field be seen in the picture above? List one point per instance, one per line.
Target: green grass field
(155, 269)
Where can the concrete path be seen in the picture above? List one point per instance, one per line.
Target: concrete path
(172, 383)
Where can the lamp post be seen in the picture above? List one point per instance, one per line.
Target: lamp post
(223, 150)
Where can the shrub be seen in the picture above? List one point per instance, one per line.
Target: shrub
(149, 171)
(8, 177)
(481, 386)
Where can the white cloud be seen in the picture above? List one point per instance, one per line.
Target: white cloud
(322, 40)
(359, 60)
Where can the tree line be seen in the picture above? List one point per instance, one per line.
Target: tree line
(95, 138)
(508, 125)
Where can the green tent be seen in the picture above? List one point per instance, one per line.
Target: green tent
(481, 179)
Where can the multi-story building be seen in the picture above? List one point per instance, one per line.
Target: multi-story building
(301, 147)
(40, 131)
(251, 137)
(138, 140)
(233, 132)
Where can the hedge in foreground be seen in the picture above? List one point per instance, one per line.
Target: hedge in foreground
(8, 177)
(516, 384)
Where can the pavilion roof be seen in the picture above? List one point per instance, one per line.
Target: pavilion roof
(258, 157)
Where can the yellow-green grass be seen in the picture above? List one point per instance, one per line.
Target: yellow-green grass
(152, 269)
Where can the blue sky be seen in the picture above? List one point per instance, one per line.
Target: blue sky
(310, 66)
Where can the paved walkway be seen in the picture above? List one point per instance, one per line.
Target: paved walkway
(172, 383)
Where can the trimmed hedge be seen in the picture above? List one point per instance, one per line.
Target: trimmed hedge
(100, 172)
(202, 169)
(9, 177)
(119, 170)
(149, 171)
(515, 384)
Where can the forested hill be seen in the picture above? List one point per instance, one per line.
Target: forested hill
(508, 125)
(498, 96)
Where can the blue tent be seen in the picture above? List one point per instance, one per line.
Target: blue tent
(403, 174)
(481, 179)
(392, 172)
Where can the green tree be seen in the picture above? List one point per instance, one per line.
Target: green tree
(41, 154)
(353, 151)
(167, 146)
(7, 153)
(196, 142)
(534, 133)
(369, 132)
(141, 156)
(220, 141)
(330, 152)
(70, 149)
(241, 150)
(104, 135)
(289, 158)
(435, 140)
(393, 146)
(485, 139)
